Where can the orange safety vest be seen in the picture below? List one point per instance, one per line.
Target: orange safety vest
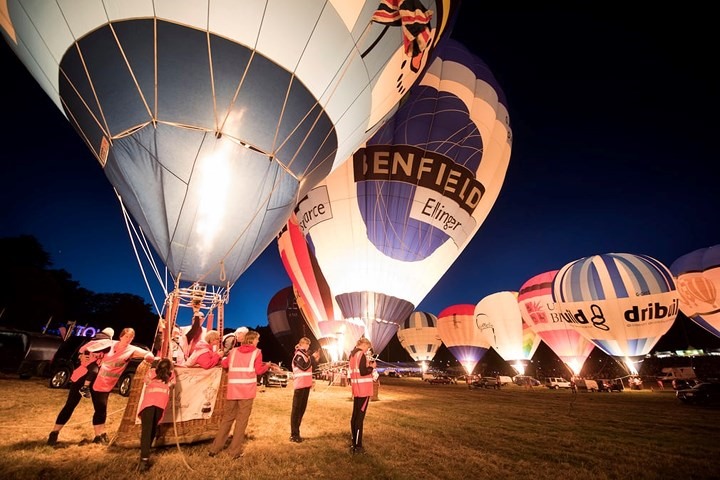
(302, 378)
(362, 385)
(242, 379)
(157, 392)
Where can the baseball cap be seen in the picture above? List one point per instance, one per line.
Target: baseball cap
(109, 332)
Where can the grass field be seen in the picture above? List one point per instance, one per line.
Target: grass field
(414, 430)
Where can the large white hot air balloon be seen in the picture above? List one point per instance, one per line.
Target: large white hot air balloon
(387, 224)
(499, 319)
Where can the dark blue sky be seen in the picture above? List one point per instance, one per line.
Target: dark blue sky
(614, 121)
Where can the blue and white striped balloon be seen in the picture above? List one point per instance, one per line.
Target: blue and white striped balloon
(621, 302)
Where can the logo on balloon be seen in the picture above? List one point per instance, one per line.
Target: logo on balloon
(596, 318)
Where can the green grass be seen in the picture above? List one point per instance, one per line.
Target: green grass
(415, 430)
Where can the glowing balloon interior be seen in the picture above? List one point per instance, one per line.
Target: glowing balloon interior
(387, 224)
(211, 119)
(540, 312)
(419, 336)
(698, 281)
(462, 335)
(498, 317)
(621, 302)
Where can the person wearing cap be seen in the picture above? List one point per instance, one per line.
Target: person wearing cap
(112, 366)
(91, 354)
(100, 343)
(232, 340)
(302, 364)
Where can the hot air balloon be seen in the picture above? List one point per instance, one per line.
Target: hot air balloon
(211, 119)
(698, 282)
(462, 335)
(621, 302)
(539, 311)
(498, 317)
(388, 223)
(285, 321)
(317, 305)
(420, 338)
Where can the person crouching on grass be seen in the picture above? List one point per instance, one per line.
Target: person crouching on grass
(158, 382)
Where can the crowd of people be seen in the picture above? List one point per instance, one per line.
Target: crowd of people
(103, 360)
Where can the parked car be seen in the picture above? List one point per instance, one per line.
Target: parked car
(605, 385)
(441, 379)
(557, 382)
(27, 354)
(703, 393)
(66, 360)
(524, 380)
(683, 384)
(276, 379)
(485, 382)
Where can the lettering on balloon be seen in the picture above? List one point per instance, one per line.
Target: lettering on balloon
(415, 166)
(313, 209)
(634, 315)
(652, 311)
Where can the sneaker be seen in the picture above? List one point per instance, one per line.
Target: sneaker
(52, 438)
(357, 450)
(85, 391)
(211, 453)
(102, 438)
(296, 439)
(144, 465)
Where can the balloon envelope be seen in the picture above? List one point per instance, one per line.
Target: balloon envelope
(462, 335)
(698, 282)
(210, 119)
(499, 319)
(540, 312)
(285, 320)
(419, 336)
(388, 223)
(621, 302)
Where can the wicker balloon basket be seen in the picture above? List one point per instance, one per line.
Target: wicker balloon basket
(171, 433)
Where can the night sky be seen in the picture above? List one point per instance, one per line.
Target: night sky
(614, 123)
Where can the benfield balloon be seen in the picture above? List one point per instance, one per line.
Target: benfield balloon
(539, 312)
(621, 302)
(698, 281)
(388, 223)
(212, 118)
(462, 334)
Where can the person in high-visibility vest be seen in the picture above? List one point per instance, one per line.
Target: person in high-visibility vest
(361, 380)
(158, 381)
(302, 365)
(243, 364)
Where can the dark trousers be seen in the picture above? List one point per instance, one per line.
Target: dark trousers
(150, 418)
(299, 404)
(73, 399)
(100, 401)
(360, 405)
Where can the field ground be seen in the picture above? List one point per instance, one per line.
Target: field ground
(414, 430)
